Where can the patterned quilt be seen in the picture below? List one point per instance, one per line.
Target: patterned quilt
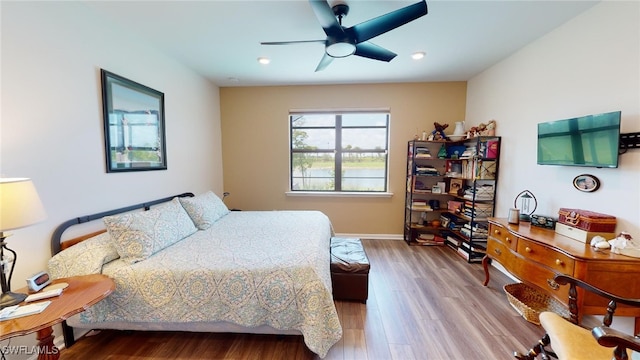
(250, 268)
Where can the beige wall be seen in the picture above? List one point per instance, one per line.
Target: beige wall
(255, 145)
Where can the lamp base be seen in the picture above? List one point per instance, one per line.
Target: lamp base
(10, 298)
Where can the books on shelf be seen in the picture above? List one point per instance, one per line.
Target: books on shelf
(422, 185)
(469, 256)
(451, 221)
(420, 205)
(422, 153)
(475, 231)
(480, 192)
(429, 239)
(465, 179)
(426, 170)
(453, 241)
(477, 210)
(474, 249)
(474, 168)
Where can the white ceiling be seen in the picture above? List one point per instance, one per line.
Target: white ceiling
(221, 39)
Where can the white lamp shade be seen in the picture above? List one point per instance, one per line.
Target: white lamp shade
(20, 204)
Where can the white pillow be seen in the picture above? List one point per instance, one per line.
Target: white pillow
(204, 209)
(84, 258)
(138, 235)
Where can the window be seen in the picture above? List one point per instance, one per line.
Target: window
(339, 152)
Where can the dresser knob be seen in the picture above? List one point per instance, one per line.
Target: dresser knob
(496, 231)
(528, 249)
(508, 239)
(553, 284)
(559, 262)
(497, 251)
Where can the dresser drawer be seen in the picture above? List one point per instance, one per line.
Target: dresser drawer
(537, 255)
(544, 255)
(502, 235)
(542, 277)
(500, 252)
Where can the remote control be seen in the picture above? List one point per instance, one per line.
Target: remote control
(43, 295)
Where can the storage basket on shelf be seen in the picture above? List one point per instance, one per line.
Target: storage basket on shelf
(530, 302)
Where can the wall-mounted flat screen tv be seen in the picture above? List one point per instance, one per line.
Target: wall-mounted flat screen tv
(591, 140)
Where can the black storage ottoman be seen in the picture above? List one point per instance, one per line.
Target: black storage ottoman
(349, 269)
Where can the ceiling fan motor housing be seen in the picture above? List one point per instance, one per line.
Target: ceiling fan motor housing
(340, 10)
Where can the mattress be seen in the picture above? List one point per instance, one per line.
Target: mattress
(251, 271)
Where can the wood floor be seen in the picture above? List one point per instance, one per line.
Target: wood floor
(424, 303)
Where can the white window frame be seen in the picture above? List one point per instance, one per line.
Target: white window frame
(338, 153)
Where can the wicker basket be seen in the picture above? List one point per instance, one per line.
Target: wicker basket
(530, 302)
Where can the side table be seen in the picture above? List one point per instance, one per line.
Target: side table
(82, 292)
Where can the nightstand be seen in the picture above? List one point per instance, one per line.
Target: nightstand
(82, 292)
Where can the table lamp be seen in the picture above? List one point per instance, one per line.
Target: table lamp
(20, 206)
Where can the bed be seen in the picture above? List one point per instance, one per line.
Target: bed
(190, 264)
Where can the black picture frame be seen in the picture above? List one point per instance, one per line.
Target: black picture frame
(134, 125)
(586, 183)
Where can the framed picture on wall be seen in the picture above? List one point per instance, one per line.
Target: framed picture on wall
(586, 183)
(134, 125)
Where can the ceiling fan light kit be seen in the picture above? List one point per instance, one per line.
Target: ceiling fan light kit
(340, 49)
(346, 41)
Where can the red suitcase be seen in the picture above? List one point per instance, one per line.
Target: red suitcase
(587, 220)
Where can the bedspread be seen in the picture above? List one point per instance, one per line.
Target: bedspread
(250, 268)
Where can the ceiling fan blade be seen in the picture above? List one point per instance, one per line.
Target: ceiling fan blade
(291, 42)
(327, 18)
(324, 62)
(373, 51)
(381, 24)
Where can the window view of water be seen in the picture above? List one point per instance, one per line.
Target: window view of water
(352, 180)
(339, 152)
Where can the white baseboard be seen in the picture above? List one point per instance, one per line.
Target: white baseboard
(373, 236)
(495, 264)
(501, 268)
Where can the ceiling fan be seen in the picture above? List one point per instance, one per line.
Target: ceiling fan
(345, 41)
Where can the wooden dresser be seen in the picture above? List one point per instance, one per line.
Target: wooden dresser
(535, 255)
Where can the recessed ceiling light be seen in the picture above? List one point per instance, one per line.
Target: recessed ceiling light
(418, 55)
(264, 60)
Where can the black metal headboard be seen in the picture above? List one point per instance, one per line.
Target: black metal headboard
(57, 234)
